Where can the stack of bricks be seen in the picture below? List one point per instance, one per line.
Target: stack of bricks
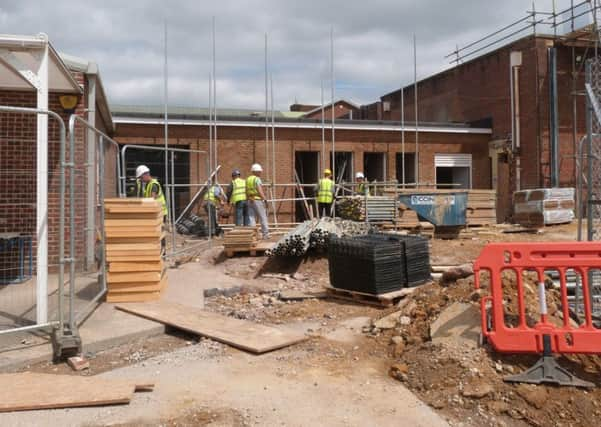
(133, 229)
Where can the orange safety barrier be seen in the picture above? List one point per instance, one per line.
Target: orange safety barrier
(582, 257)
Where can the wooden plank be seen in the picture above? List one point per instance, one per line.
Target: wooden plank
(110, 240)
(132, 210)
(142, 231)
(132, 297)
(141, 287)
(129, 200)
(116, 267)
(136, 276)
(130, 216)
(242, 334)
(29, 391)
(132, 247)
(127, 257)
(112, 223)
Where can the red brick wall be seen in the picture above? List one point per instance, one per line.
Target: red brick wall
(240, 147)
(480, 89)
(18, 169)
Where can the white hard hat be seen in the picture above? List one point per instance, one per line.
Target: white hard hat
(359, 175)
(256, 168)
(141, 170)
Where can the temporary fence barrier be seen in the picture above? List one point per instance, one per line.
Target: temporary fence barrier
(29, 296)
(538, 335)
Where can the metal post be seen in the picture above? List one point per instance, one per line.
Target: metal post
(553, 116)
(91, 174)
(166, 103)
(323, 132)
(416, 110)
(273, 167)
(42, 189)
(172, 207)
(210, 122)
(333, 106)
(403, 132)
(102, 232)
(215, 146)
(72, 254)
(589, 173)
(266, 115)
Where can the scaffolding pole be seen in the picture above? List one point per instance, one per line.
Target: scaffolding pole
(323, 131)
(416, 110)
(266, 115)
(273, 168)
(215, 146)
(333, 105)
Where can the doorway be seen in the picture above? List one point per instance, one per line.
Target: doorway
(306, 165)
(374, 165)
(408, 166)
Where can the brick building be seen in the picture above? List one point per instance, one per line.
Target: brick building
(371, 147)
(74, 86)
(478, 91)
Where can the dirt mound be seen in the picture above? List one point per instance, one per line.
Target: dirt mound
(465, 382)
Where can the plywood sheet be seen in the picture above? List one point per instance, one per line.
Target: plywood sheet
(242, 334)
(27, 391)
(132, 223)
(136, 276)
(128, 257)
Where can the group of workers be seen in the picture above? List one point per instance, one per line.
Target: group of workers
(245, 196)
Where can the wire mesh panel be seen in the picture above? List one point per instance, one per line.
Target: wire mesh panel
(593, 80)
(18, 221)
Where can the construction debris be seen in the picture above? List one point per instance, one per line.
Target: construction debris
(316, 234)
(78, 363)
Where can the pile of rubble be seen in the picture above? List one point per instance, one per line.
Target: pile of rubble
(433, 338)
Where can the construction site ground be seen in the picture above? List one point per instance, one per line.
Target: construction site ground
(349, 371)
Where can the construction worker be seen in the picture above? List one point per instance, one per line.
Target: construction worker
(236, 195)
(256, 200)
(212, 201)
(362, 188)
(147, 186)
(325, 194)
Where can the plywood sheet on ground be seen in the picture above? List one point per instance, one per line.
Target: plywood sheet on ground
(27, 391)
(242, 334)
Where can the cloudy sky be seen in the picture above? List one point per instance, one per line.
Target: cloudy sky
(373, 43)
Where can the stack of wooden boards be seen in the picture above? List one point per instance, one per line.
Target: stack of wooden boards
(240, 239)
(481, 207)
(543, 206)
(133, 229)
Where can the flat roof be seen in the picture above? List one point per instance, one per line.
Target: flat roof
(298, 123)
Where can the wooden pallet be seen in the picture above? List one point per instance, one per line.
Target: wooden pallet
(382, 300)
(258, 248)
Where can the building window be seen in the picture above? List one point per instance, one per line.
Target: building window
(408, 167)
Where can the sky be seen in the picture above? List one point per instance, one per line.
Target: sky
(373, 44)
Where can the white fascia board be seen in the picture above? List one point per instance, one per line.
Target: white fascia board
(284, 125)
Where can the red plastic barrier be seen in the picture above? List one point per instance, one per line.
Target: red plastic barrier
(519, 257)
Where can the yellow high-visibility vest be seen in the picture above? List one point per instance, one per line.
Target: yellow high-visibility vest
(148, 192)
(210, 195)
(324, 194)
(251, 188)
(363, 189)
(238, 191)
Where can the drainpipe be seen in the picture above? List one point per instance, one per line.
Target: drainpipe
(553, 116)
(91, 168)
(514, 69)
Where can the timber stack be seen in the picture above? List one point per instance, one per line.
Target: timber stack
(133, 229)
(240, 239)
(481, 207)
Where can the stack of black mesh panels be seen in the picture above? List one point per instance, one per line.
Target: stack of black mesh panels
(369, 264)
(417, 260)
(378, 263)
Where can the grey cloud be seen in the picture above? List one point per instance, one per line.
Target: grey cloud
(373, 43)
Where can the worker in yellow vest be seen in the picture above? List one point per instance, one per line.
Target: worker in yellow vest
(362, 188)
(212, 202)
(236, 195)
(325, 194)
(147, 186)
(256, 200)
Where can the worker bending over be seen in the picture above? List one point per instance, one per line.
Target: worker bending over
(212, 202)
(256, 200)
(362, 188)
(325, 194)
(147, 186)
(236, 195)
